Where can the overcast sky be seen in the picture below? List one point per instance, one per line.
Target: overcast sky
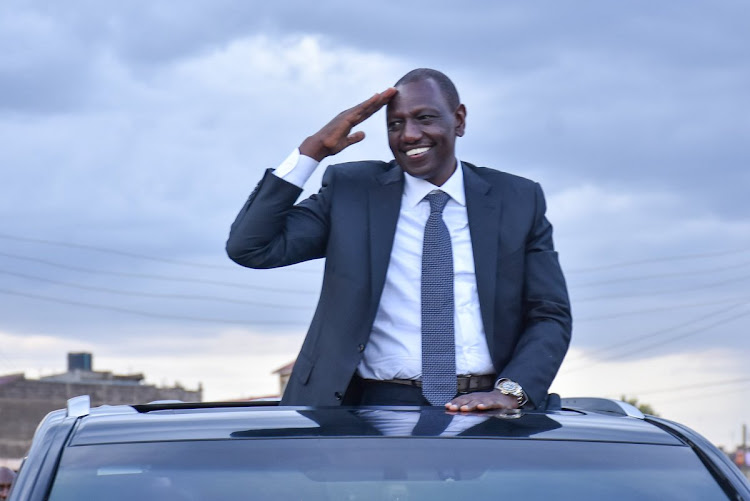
(132, 132)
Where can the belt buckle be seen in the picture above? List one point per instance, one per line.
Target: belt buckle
(464, 378)
(473, 382)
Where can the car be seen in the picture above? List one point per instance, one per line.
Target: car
(583, 448)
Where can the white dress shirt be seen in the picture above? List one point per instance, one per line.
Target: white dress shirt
(400, 424)
(394, 350)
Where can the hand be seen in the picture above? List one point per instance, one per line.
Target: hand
(337, 134)
(482, 401)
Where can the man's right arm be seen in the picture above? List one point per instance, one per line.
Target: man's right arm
(270, 231)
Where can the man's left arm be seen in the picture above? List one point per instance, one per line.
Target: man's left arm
(547, 323)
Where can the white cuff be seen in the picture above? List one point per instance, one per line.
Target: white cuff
(296, 169)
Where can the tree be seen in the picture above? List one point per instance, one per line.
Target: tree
(644, 408)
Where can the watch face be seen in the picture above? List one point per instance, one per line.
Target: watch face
(510, 387)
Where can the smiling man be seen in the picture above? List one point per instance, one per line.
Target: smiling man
(423, 123)
(441, 285)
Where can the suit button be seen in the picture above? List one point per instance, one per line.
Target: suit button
(337, 395)
(361, 348)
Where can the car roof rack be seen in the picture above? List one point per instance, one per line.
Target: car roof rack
(608, 405)
(79, 406)
(177, 405)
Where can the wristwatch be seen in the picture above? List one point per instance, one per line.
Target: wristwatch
(508, 387)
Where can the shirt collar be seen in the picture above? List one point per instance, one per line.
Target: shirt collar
(416, 189)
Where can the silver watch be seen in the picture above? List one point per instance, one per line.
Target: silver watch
(508, 387)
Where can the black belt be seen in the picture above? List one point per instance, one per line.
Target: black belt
(464, 383)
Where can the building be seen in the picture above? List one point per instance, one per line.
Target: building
(284, 373)
(24, 402)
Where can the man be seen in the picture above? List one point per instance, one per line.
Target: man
(505, 307)
(7, 476)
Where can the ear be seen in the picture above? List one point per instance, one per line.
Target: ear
(460, 115)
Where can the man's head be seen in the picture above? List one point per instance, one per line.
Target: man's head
(7, 476)
(424, 118)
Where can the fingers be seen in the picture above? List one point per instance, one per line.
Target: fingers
(387, 95)
(474, 405)
(456, 402)
(366, 109)
(355, 138)
(480, 401)
(462, 403)
(336, 135)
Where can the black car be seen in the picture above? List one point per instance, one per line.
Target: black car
(586, 449)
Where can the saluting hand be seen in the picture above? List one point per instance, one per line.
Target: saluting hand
(337, 134)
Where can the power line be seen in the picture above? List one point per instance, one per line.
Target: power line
(701, 384)
(146, 294)
(610, 316)
(686, 334)
(659, 332)
(112, 251)
(684, 257)
(142, 313)
(743, 388)
(660, 343)
(661, 275)
(665, 291)
(133, 255)
(155, 277)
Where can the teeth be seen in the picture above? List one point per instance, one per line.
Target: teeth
(416, 151)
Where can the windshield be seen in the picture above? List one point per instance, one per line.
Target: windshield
(354, 469)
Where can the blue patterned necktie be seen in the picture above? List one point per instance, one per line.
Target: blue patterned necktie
(438, 340)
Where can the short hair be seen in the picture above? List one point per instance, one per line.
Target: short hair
(444, 83)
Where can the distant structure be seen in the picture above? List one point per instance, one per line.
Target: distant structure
(284, 373)
(80, 361)
(24, 402)
(80, 371)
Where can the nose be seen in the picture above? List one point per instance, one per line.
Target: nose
(412, 132)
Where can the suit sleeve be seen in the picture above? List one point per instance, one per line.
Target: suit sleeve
(546, 312)
(270, 231)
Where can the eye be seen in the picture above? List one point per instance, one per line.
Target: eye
(395, 125)
(425, 117)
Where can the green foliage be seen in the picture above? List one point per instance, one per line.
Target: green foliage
(644, 408)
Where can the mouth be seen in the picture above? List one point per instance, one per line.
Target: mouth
(415, 152)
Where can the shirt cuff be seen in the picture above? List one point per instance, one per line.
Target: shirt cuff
(296, 169)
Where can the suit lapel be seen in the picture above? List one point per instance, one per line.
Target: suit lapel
(384, 207)
(483, 209)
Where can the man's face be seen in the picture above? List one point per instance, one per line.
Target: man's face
(6, 480)
(422, 131)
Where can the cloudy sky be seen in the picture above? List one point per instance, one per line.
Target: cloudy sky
(132, 132)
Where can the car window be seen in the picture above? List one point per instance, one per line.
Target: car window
(354, 469)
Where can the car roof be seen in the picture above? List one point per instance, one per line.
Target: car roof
(227, 421)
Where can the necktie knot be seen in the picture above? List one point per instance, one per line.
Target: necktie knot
(437, 200)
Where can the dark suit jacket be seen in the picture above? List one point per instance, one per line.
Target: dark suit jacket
(351, 222)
